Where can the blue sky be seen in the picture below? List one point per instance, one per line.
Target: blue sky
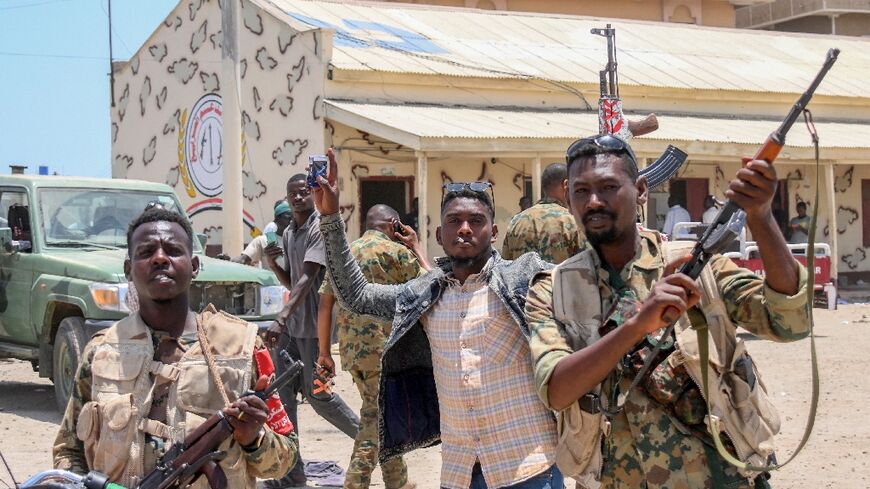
(54, 84)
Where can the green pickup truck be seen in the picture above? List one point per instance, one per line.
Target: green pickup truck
(63, 242)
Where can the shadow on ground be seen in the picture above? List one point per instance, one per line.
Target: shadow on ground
(30, 400)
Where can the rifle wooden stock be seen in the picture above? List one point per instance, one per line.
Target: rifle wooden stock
(644, 126)
(770, 149)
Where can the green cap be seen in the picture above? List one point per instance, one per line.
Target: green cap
(282, 208)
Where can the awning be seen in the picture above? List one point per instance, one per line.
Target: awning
(439, 129)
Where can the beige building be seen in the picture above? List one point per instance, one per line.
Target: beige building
(718, 13)
(839, 17)
(415, 96)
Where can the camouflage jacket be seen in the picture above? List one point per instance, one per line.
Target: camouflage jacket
(382, 261)
(648, 446)
(275, 456)
(546, 228)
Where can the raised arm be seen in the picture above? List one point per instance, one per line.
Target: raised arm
(349, 284)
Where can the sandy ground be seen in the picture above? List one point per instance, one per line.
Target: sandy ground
(836, 456)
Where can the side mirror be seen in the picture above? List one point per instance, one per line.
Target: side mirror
(6, 240)
(203, 239)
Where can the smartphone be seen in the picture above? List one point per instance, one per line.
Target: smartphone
(316, 168)
(271, 238)
(398, 228)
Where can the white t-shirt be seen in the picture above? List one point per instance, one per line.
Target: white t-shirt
(676, 214)
(256, 252)
(709, 215)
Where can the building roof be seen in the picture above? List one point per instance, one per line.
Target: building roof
(453, 129)
(416, 39)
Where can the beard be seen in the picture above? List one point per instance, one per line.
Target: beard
(469, 261)
(601, 237)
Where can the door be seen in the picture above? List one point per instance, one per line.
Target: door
(16, 268)
(691, 192)
(396, 192)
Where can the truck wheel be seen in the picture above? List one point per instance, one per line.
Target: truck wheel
(68, 344)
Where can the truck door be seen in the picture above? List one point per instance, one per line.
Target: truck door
(16, 268)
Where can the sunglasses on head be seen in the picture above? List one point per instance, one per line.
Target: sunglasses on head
(608, 142)
(478, 187)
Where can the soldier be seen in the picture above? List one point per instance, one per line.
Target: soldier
(361, 338)
(584, 337)
(547, 227)
(144, 382)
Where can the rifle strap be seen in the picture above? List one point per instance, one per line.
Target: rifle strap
(700, 327)
(209, 359)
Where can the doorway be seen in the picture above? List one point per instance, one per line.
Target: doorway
(396, 192)
(691, 192)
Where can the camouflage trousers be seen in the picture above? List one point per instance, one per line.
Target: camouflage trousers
(365, 447)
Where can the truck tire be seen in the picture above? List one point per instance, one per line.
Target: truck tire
(68, 344)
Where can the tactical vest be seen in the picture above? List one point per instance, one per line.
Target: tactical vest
(739, 400)
(114, 424)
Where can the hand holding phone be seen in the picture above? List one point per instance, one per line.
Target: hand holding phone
(271, 238)
(316, 168)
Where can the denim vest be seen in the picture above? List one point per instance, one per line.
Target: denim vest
(408, 400)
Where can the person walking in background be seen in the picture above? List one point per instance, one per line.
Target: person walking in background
(254, 254)
(710, 210)
(361, 338)
(676, 214)
(295, 329)
(800, 225)
(546, 227)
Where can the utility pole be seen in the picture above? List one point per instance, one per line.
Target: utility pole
(111, 69)
(232, 122)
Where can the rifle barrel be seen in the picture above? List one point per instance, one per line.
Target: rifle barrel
(804, 99)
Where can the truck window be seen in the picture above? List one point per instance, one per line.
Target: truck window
(15, 214)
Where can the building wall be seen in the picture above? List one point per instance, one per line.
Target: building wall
(154, 125)
(717, 13)
(506, 175)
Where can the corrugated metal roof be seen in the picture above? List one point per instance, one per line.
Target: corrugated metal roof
(476, 43)
(415, 124)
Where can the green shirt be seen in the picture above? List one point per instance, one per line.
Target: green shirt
(648, 447)
(382, 261)
(546, 228)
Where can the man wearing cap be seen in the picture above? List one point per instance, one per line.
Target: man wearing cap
(255, 251)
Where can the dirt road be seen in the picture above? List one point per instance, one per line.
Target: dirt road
(838, 454)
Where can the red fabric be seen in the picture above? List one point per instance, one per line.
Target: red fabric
(278, 420)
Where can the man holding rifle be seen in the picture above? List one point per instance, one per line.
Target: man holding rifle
(597, 317)
(152, 378)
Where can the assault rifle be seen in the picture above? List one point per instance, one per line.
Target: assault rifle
(199, 454)
(611, 120)
(610, 117)
(183, 463)
(730, 219)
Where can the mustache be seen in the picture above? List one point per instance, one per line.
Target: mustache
(598, 212)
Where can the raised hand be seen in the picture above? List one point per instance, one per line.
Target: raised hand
(326, 196)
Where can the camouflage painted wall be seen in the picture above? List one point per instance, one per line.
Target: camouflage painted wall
(166, 125)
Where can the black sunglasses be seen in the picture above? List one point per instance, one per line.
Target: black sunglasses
(479, 187)
(608, 142)
(154, 205)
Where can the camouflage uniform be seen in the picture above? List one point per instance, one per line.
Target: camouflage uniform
(651, 445)
(361, 342)
(270, 460)
(547, 228)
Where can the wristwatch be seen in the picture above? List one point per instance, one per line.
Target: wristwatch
(258, 441)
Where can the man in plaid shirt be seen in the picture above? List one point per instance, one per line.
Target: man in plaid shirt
(456, 367)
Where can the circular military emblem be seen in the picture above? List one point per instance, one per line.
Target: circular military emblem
(203, 147)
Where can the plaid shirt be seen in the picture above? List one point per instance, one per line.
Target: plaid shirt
(486, 391)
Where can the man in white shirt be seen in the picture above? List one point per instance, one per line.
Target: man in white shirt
(254, 252)
(676, 214)
(710, 211)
